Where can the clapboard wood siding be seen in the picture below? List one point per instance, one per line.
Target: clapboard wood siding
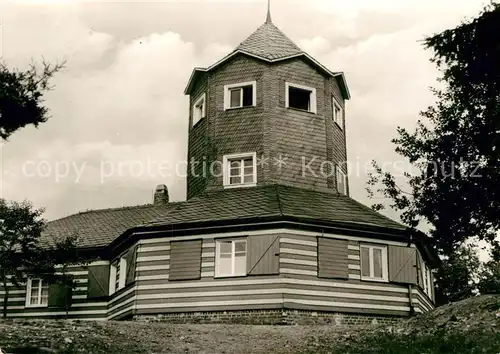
(297, 286)
(185, 260)
(333, 258)
(82, 307)
(402, 264)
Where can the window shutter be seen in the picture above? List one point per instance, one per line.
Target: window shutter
(333, 258)
(402, 261)
(420, 276)
(59, 295)
(185, 260)
(131, 263)
(263, 255)
(98, 281)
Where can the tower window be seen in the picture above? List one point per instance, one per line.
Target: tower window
(337, 113)
(341, 181)
(240, 95)
(199, 109)
(240, 170)
(301, 97)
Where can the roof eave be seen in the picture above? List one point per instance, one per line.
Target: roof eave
(327, 71)
(191, 80)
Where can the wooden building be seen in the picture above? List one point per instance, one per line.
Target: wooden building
(268, 233)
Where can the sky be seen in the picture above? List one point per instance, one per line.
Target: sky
(119, 106)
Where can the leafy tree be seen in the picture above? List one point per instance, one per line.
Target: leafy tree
(455, 148)
(458, 275)
(489, 277)
(21, 96)
(21, 251)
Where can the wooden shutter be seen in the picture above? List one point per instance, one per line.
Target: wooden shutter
(419, 270)
(263, 255)
(333, 258)
(59, 295)
(131, 264)
(98, 281)
(402, 264)
(185, 260)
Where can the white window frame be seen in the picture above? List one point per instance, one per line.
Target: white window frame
(426, 279)
(385, 271)
(312, 97)
(122, 276)
(226, 166)
(196, 118)
(233, 258)
(29, 285)
(227, 94)
(338, 175)
(112, 279)
(337, 118)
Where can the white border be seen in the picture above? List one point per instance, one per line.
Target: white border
(338, 120)
(203, 98)
(227, 97)
(225, 166)
(314, 108)
(385, 270)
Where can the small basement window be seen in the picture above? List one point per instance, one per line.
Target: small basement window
(301, 97)
(373, 263)
(338, 117)
(240, 170)
(199, 109)
(231, 258)
(240, 95)
(341, 181)
(37, 293)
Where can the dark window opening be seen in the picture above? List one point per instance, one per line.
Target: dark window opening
(247, 96)
(299, 98)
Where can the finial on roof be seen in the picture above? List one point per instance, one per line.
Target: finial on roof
(268, 20)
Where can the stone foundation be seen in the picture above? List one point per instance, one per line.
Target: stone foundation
(270, 317)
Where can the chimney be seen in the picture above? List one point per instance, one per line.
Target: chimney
(161, 195)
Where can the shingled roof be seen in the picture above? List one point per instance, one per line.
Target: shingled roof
(275, 200)
(269, 42)
(98, 228)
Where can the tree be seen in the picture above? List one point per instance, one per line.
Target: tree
(489, 277)
(21, 250)
(458, 275)
(21, 96)
(455, 148)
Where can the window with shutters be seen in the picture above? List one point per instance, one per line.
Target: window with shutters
(240, 170)
(37, 293)
(231, 258)
(240, 95)
(373, 263)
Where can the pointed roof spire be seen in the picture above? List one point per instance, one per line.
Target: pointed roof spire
(268, 19)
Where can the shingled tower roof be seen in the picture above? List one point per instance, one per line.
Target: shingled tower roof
(269, 42)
